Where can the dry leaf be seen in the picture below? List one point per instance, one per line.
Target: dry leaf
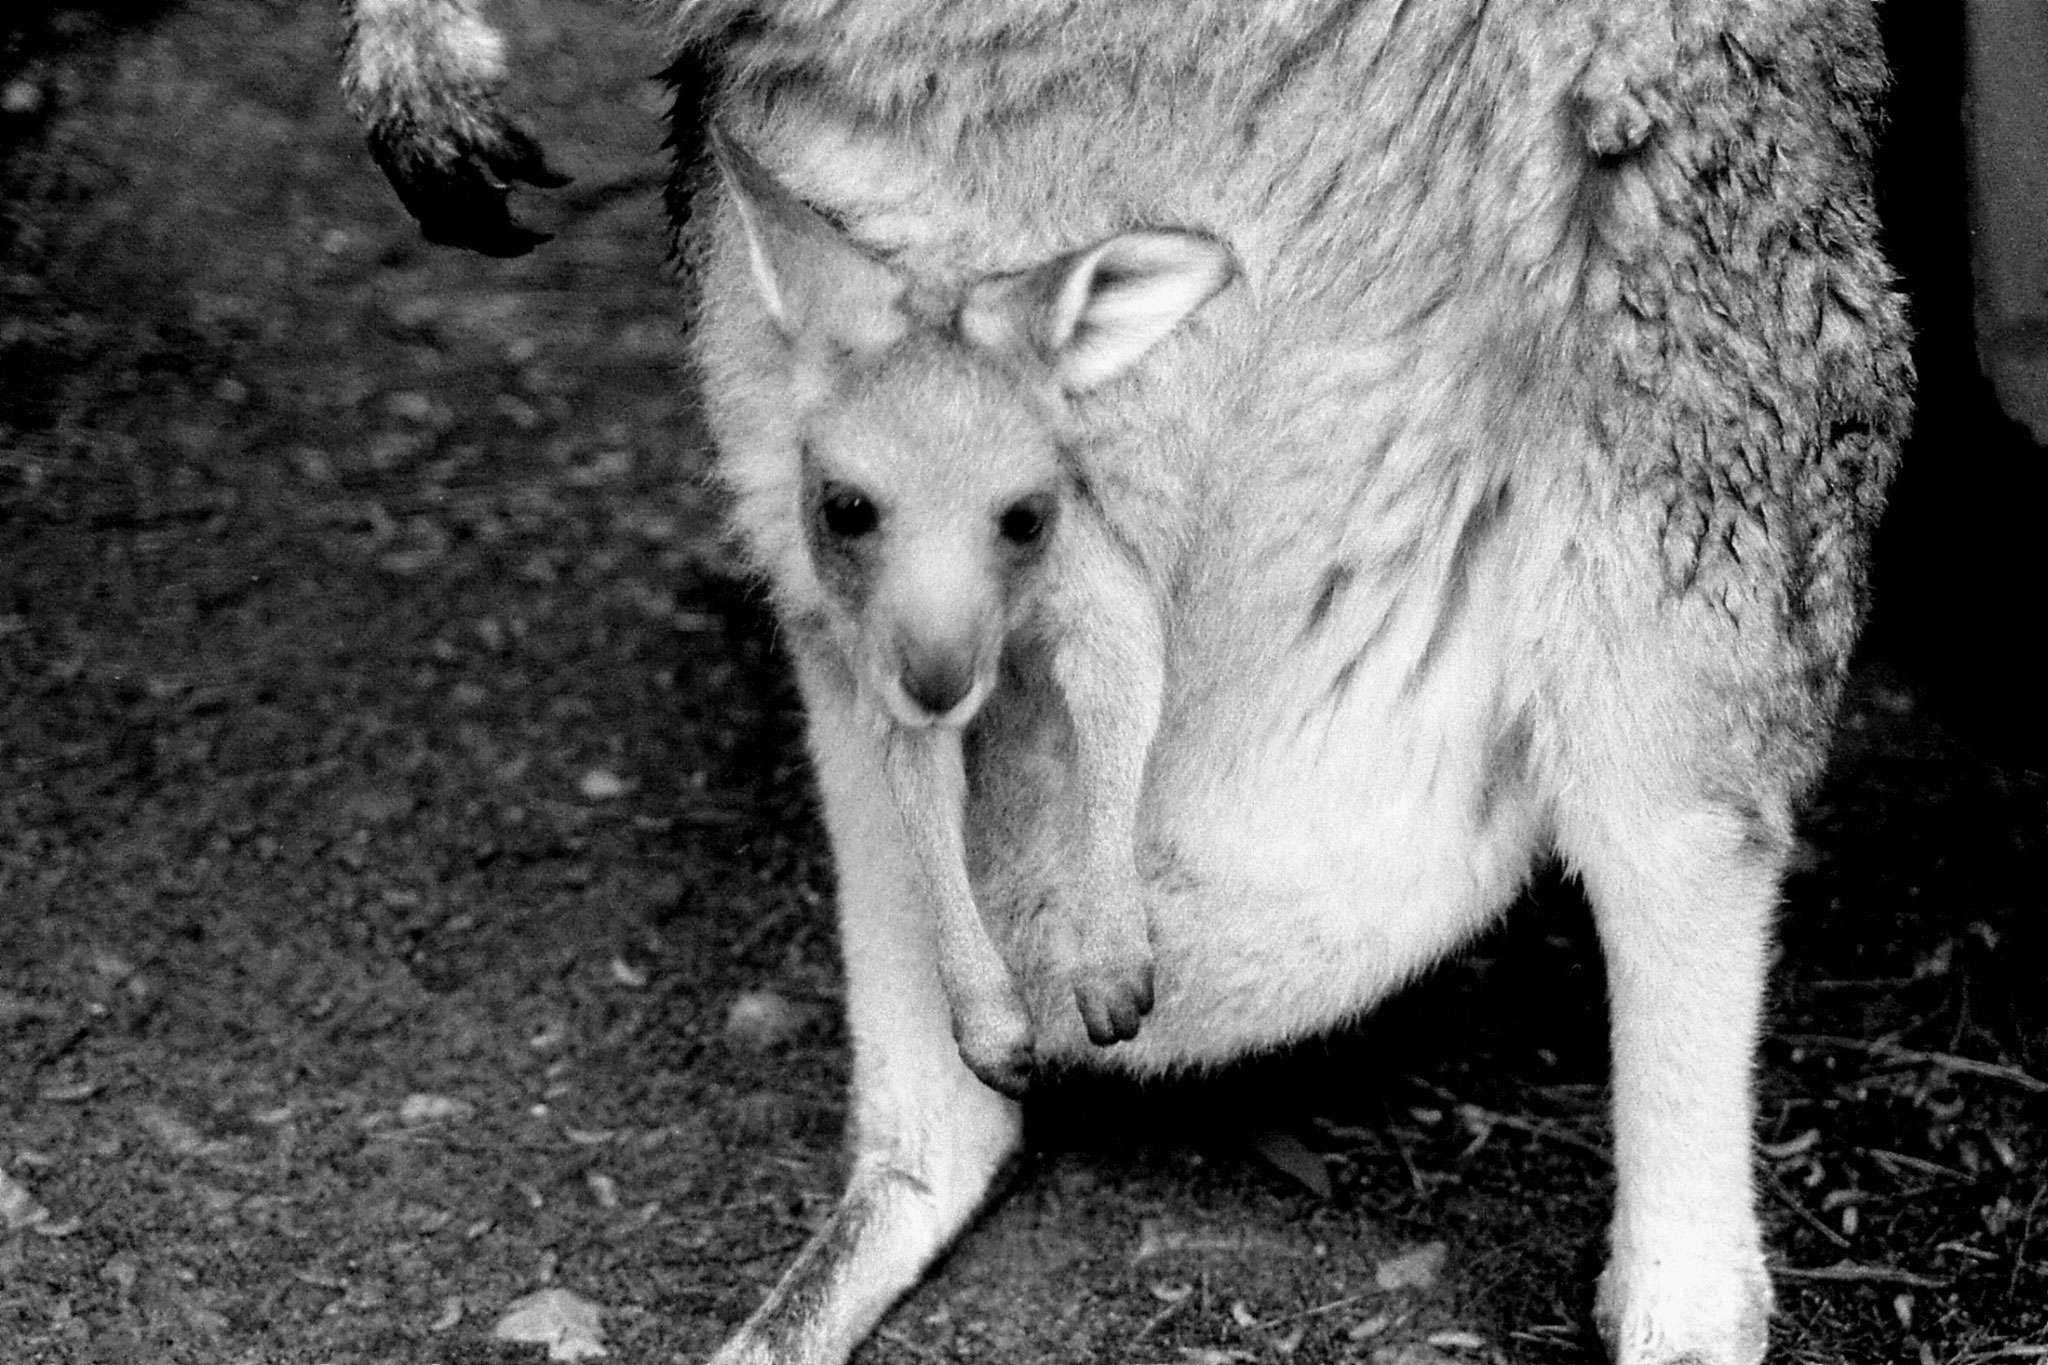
(1416, 1268)
(22, 1009)
(1410, 1353)
(1371, 1327)
(1157, 1239)
(1456, 1341)
(18, 1208)
(1291, 1156)
(567, 1324)
(176, 1133)
(70, 1092)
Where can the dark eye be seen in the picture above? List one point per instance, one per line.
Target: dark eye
(1023, 523)
(846, 512)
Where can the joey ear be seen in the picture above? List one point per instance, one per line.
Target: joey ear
(808, 275)
(1105, 307)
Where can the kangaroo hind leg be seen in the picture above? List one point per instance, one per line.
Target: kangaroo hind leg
(1683, 900)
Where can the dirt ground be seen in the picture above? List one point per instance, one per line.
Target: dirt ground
(411, 898)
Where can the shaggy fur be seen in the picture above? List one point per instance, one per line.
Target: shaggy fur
(1514, 504)
(423, 76)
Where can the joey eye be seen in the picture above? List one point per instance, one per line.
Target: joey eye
(1024, 522)
(846, 513)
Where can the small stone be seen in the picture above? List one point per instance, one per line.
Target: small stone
(411, 406)
(314, 466)
(21, 97)
(419, 1109)
(762, 1020)
(602, 784)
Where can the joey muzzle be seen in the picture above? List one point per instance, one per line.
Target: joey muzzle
(936, 679)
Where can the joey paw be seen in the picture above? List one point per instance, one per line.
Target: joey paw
(1114, 1003)
(1006, 1071)
(998, 1047)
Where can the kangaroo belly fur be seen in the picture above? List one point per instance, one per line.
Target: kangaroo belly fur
(1532, 461)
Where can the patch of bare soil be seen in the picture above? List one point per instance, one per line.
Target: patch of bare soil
(410, 897)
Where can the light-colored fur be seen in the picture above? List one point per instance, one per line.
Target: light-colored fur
(1514, 504)
(939, 422)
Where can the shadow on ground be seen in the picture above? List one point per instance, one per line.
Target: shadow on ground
(398, 793)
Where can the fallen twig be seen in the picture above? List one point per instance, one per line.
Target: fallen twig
(2019, 1253)
(1334, 1305)
(1158, 1320)
(1806, 1215)
(1541, 1128)
(896, 1338)
(1897, 1161)
(1893, 1052)
(1851, 1272)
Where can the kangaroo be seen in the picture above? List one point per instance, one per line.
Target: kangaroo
(1512, 504)
(943, 516)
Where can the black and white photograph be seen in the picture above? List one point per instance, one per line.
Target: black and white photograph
(1023, 682)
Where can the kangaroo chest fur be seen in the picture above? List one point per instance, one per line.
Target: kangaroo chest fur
(1353, 769)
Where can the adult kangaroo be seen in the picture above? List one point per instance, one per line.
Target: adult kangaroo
(1509, 500)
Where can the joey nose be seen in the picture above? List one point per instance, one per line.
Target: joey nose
(936, 678)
